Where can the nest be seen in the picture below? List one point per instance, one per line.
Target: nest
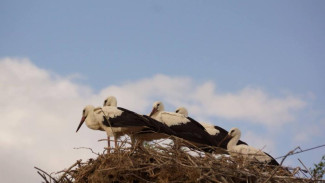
(157, 163)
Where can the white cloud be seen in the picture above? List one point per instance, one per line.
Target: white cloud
(40, 112)
(251, 104)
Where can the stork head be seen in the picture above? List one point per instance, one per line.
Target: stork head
(85, 113)
(157, 106)
(110, 101)
(234, 132)
(182, 110)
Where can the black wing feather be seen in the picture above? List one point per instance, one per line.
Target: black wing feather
(159, 127)
(126, 119)
(195, 132)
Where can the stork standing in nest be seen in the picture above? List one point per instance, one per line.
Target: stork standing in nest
(120, 131)
(101, 118)
(216, 132)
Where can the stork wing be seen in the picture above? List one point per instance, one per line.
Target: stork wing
(193, 131)
(273, 161)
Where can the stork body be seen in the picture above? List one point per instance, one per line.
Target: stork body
(216, 132)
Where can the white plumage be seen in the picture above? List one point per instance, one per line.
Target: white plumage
(210, 128)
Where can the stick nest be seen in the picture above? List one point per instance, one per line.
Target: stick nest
(156, 163)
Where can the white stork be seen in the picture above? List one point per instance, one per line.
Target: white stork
(120, 131)
(216, 132)
(246, 151)
(184, 127)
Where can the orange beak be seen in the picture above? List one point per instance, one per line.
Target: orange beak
(81, 122)
(154, 110)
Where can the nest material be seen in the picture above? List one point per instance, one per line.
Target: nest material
(170, 164)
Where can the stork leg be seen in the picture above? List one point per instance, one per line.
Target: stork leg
(108, 144)
(115, 141)
(132, 141)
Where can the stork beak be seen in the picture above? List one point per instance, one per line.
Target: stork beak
(81, 122)
(154, 110)
(226, 138)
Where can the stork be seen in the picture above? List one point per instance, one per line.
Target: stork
(184, 127)
(246, 151)
(120, 131)
(216, 132)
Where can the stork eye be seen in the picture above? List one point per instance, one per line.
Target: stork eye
(177, 111)
(105, 102)
(83, 111)
(158, 104)
(232, 131)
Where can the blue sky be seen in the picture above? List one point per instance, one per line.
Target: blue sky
(272, 50)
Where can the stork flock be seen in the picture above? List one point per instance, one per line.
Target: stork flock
(118, 121)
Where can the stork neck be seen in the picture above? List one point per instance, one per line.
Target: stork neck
(233, 142)
(156, 115)
(91, 121)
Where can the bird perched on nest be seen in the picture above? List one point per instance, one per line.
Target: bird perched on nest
(216, 132)
(184, 127)
(246, 151)
(119, 131)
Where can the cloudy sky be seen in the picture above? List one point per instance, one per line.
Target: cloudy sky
(252, 65)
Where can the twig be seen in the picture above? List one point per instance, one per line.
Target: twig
(66, 171)
(46, 174)
(88, 149)
(305, 167)
(309, 149)
(43, 176)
